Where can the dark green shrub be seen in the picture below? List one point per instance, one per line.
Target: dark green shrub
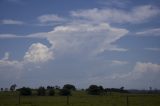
(41, 91)
(25, 91)
(65, 92)
(51, 92)
(69, 86)
(95, 90)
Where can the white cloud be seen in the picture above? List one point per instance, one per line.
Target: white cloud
(9, 36)
(14, 69)
(142, 75)
(118, 62)
(77, 36)
(41, 35)
(6, 56)
(11, 22)
(95, 38)
(115, 48)
(38, 53)
(141, 67)
(50, 18)
(10, 70)
(139, 71)
(5, 62)
(150, 32)
(16, 1)
(10, 63)
(136, 15)
(153, 49)
(115, 3)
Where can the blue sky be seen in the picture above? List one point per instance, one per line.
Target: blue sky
(112, 43)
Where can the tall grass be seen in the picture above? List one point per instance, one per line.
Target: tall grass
(80, 98)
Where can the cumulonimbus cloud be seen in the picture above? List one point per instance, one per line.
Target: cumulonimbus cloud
(85, 37)
(91, 37)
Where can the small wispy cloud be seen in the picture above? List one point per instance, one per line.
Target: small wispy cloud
(114, 48)
(7, 36)
(41, 35)
(50, 18)
(153, 49)
(136, 15)
(19, 2)
(11, 22)
(118, 62)
(13, 0)
(6, 56)
(149, 32)
(115, 3)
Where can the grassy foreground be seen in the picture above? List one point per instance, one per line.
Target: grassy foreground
(80, 98)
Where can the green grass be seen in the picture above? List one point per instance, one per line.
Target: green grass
(80, 98)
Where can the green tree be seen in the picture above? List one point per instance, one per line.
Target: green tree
(13, 87)
(65, 92)
(51, 92)
(57, 87)
(50, 87)
(95, 90)
(69, 86)
(25, 91)
(41, 91)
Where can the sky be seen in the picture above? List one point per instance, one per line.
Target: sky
(112, 43)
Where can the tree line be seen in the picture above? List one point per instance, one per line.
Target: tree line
(49, 90)
(66, 90)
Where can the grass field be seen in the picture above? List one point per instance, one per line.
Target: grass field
(80, 98)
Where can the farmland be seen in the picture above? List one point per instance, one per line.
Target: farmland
(80, 98)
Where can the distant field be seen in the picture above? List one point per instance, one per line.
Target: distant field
(80, 98)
